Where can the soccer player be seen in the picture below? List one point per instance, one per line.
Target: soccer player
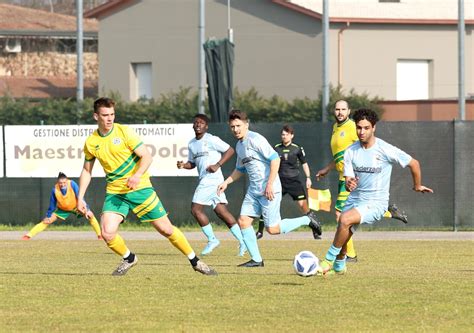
(125, 160)
(62, 203)
(367, 171)
(257, 159)
(343, 135)
(208, 153)
(292, 156)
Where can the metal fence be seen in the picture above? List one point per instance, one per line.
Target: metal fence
(443, 149)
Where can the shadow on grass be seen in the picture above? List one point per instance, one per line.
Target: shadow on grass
(53, 274)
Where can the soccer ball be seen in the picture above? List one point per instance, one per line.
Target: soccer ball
(306, 263)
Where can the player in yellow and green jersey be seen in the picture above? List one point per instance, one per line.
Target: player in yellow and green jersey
(343, 135)
(62, 203)
(125, 160)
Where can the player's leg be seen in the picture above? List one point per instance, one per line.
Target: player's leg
(342, 196)
(197, 210)
(148, 208)
(164, 226)
(40, 227)
(346, 220)
(250, 240)
(261, 227)
(395, 213)
(277, 226)
(94, 224)
(223, 213)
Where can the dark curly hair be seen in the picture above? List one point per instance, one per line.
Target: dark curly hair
(367, 114)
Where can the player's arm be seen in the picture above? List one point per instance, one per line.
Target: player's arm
(84, 181)
(188, 165)
(52, 206)
(235, 175)
(415, 170)
(224, 158)
(324, 171)
(274, 167)
(307, 175)
(143, 165)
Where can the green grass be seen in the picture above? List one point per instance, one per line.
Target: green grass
(397, 286)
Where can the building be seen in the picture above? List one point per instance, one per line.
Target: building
(397, 50)
(38, 53)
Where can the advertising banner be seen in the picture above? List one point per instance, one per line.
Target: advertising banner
(43, 151)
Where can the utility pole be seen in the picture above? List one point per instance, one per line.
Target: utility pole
(461, 87)
(201, 57)
(325, 98)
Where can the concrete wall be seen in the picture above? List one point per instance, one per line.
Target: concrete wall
(370, 53)
(425, 110)
(277, 51)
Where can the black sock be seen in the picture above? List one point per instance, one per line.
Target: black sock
(130, 258)
(194, 261)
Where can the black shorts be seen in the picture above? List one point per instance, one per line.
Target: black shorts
(294, 187)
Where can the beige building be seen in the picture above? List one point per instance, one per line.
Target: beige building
(398, 50)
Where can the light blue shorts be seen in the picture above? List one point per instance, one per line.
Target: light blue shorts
(258, 205)
(206, 195)
(370, 212)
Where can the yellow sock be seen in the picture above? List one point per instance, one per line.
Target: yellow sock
(95, 225)
(37, 229)
(118, 245)
(180, 242)
(350, 249)
(387, 214)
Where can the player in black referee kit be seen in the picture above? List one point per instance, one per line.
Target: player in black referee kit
(292, 156)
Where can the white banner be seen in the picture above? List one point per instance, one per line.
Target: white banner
(43, 151)
(1, 151)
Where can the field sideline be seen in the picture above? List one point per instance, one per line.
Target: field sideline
(404, 281)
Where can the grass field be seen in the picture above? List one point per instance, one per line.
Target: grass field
(397, 286)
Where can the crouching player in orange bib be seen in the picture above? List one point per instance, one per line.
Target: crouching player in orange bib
(62, 203)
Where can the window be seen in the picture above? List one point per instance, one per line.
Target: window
(413, 79)
(140, 81)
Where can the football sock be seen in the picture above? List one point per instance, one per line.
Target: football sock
(350, 249)
(37, 229)
(95, 225)
(250, 241)
(332, 253)
(287, 225)
(180, 242)
(130, 258)
(207, 230)
(339, 264)
(387, 214)
(237, 233)
(194, 260)
(118, 245)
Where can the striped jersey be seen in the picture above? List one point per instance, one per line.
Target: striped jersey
(115, 152)
(343, 135)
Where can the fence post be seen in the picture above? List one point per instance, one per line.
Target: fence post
(455, 214)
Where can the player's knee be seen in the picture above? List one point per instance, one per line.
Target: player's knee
(345, 221)
(107, 236)
(273, 230)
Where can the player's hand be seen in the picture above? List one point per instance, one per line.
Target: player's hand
(180, 164)
(81, 207)
(89, 214)
(213, 168)
(321, 173)
(132, 182)
(422, 189)
(308, 182)
(351, 183)
(269, 192)
(221, 188)
(47, 220)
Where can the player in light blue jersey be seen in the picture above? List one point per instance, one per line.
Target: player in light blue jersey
(257, 159)
(367, 171)
(208, 153)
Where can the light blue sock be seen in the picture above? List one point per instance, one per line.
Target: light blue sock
(287, 225)
(235, 230)
(250, 241)
(339, 264)
(207, 230)
(333, 253)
